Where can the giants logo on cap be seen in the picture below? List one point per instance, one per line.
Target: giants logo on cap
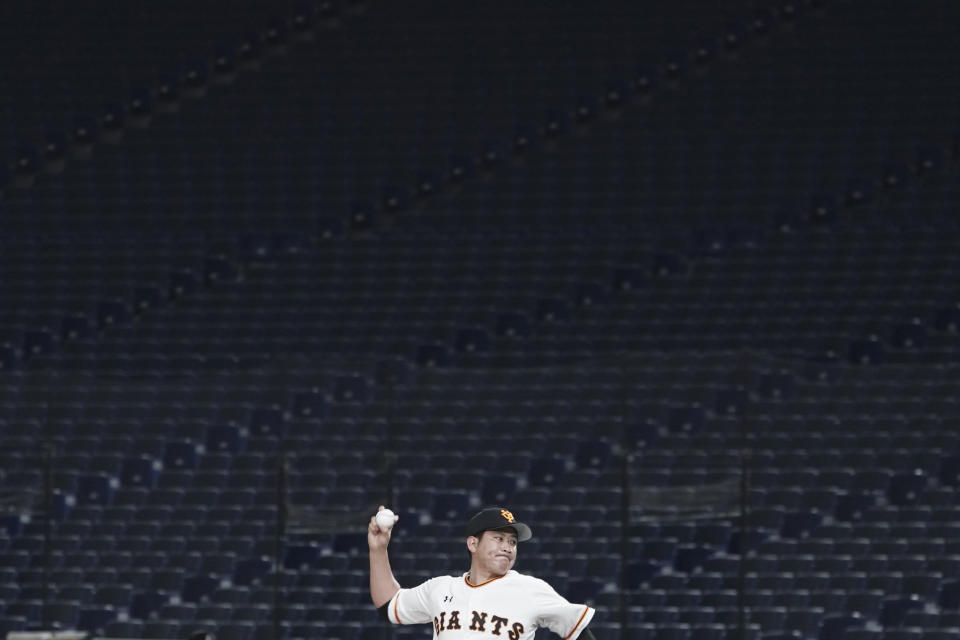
(507, 515)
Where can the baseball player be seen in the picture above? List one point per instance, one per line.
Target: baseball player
(490, 601)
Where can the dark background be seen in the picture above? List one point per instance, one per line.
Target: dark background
(674, 282)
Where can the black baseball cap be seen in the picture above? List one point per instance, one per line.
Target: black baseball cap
(497, 518)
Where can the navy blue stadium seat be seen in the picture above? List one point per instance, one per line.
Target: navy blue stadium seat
(160, 629)
(835, 626)
(94, 489)
(893, 610)
(251, 571)
(949, 596)
(180, 455)
(547, 471)
(95, 619)
(198, 587)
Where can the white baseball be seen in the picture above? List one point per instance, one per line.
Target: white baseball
(385, 519)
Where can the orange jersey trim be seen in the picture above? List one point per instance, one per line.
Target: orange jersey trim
(396, 614)
(582, 616)
(474, 586)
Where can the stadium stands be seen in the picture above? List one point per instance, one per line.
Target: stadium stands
(677, 284)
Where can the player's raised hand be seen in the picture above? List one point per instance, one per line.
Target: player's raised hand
(378, 536)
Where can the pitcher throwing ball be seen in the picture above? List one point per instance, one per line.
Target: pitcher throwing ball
(489, 601)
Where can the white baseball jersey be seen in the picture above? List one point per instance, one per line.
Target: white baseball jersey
(510, 608)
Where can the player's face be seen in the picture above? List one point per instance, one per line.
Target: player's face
(497, 552)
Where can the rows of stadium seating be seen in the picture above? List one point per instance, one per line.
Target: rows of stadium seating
(69, 65)
(360, 112)
(482, 360)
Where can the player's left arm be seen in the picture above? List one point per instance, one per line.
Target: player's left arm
(586, 634)
(566, 619)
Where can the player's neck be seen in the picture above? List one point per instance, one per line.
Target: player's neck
(478, 576)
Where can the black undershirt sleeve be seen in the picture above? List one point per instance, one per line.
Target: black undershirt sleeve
(587, 634)
(384, 611)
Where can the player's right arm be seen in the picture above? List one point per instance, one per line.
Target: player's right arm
(383, 585)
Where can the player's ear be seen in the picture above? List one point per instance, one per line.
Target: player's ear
(472, 542)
